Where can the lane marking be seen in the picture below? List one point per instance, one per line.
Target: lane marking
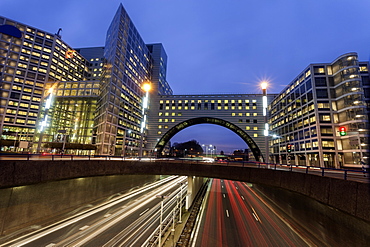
(256, 215)
(224, 195)
(227, 213)
(144, 211)
(243, 198)
(50, 245)
(107, 215)
(84, 227)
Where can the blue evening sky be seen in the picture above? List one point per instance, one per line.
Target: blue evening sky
(216, 46)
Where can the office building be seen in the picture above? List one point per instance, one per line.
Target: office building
(321, 117)
(30, 58)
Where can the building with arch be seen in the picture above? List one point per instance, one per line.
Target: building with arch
(320, 118)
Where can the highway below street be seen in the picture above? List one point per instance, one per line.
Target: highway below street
(234, 215)
(126, 220)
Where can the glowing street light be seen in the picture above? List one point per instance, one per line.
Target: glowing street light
(266, 130)
(146, 87)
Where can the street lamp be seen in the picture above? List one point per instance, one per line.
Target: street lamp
(180, 203)
(43, 124)
(266, 130)
(146, 87)
(161, 219)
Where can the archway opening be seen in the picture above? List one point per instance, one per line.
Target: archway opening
(209, 120)
(216, 136)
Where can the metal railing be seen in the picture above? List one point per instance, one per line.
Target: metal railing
(346, 174)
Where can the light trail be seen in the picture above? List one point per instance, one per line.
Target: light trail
(28, 238)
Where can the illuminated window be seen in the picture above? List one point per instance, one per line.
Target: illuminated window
(179, 114)
(233, 114)
(255, 114)
(159, 132)
(160, 120)
(247, 127)
(255, 128)
(159, 126)
(255, 135)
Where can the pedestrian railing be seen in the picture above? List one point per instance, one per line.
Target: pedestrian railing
(346, 174)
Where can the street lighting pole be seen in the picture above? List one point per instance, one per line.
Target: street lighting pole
(45, 120)
(146, 88)
(266, 130)
(161, 220)
(180, 206)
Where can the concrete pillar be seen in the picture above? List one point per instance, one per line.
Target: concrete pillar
(194, 185)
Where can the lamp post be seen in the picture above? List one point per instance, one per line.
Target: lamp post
(45, 120)
(208, 147)
(180, 205)
(266, 130)
(146, 87)
(161, 219)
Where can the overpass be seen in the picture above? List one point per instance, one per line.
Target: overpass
(351, 197)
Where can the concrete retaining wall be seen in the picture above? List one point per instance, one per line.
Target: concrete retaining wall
(347, 196)
(42, 203)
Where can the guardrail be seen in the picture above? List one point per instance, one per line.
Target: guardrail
(346, 174)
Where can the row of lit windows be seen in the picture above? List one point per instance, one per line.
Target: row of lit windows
(24, 113)
(293, 115)
(208, 101)
(19, 80)
(19, 120)
(246, 114)
(167, 114)
(25, 105)
(301, 123)
(166, 120)
(28, 90)
(207, 108)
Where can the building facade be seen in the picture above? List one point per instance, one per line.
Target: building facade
(53, 94)
(28, 62)
(241, 113)
(321, 117)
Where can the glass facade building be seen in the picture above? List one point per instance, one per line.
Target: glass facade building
(309, 113)
(129, 65)
(27, 63)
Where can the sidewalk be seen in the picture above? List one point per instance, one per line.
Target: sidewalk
(168, 240)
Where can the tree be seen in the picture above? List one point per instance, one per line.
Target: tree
(191, 147)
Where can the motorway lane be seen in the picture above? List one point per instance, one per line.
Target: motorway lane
(84, 227)
(235, 216)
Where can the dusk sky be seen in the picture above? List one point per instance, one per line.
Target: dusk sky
(216, 46)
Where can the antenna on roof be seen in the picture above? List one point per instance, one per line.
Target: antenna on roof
(58, 33)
